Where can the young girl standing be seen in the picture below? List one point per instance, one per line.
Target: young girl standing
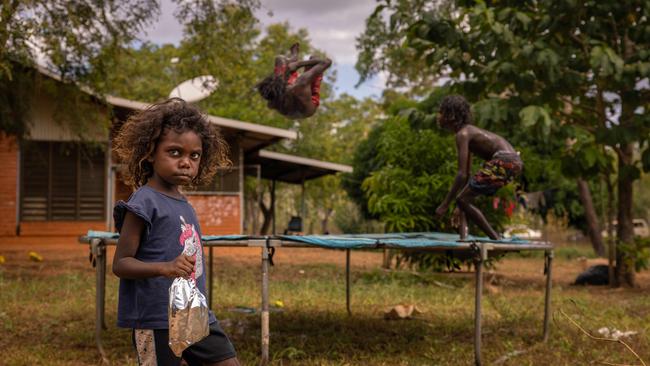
(166, 146)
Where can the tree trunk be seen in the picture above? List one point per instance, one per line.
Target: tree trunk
(625, 274)
(594, 230)
(267, 215)
(611, 240)
(324, 223)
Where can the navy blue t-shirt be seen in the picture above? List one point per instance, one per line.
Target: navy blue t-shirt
(170, 225)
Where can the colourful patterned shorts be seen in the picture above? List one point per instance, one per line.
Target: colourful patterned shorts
(496, 173)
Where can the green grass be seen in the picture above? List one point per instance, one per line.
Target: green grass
(48, 319)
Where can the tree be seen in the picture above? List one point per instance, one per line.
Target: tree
(381, 46)
(332, 135)
(145, 74)
(556, 70)
(74, 38)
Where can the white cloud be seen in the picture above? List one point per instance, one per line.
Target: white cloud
(332, 25)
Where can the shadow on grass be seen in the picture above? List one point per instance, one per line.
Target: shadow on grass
(310, 337)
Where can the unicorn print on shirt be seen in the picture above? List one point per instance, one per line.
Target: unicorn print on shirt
(191, 243)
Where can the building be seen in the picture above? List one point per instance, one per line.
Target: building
(53, 187)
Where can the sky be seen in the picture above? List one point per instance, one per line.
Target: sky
(333, 26)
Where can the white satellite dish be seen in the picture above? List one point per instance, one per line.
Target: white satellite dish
(195, 89)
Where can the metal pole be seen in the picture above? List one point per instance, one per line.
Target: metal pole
(548, 261)
(347, 281)
(303, 207)
(477, 304)
(265, 304)
(258, 193)
(242, 196)
(102, 269)
(210, 253)
(98, 249)
(273, 206)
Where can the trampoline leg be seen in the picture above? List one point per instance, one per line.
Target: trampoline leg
(102, 269)
(548, 262)
(477, 304)
(265, 306)
(99, 251)
(210, 256)
(347, 281)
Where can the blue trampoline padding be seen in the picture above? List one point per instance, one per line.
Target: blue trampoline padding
(402, 240)
(357, 241)
(332, 241)
(92, 234)
(419, 243)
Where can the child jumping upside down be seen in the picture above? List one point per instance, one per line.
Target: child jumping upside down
(294, 95)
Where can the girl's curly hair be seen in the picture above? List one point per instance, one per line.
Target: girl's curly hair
(456, 111)
(137, 139)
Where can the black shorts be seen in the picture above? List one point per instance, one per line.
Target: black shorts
(152, 347)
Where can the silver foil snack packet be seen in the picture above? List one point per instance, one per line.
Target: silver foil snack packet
(188, 315)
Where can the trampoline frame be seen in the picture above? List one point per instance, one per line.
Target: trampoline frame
(481, 250)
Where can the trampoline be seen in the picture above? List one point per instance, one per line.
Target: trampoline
(479, 248)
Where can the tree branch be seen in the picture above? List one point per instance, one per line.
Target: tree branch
(604, 339)
(602, 117)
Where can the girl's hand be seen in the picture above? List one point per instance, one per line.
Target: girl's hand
(181, 266)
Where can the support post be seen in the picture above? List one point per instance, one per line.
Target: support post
(548, 264)
(101, 267)
(273, 207)
(303, 206)
(210, 282)
(98, 250)
(347, 281)
(478, 262)
(265, 304)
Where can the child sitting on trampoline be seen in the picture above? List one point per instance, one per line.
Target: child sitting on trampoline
(167, 146)
(294, 95)
(502, 162)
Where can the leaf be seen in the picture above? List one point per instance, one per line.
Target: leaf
(606, 62)
(523, 19)
(532, 114)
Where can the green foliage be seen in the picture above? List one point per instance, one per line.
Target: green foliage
(381, 48)
(417, 168)
(402, 191)
(145, 74)
(76, 38)
(560, 68)
(637, 253)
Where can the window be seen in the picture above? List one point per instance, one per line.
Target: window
(62, 181)
(225, 181)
